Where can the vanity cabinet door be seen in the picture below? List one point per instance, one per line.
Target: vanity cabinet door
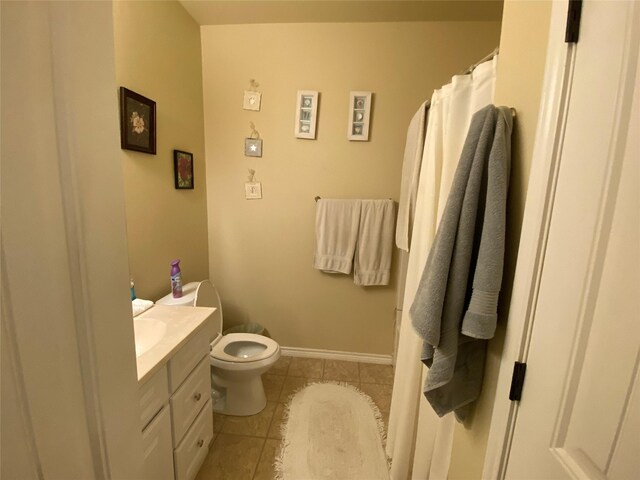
(153, 395)
(194, 447)
(187, 402)
(187, 358)
(158, 448)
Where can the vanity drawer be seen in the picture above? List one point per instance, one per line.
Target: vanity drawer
(187, 358)
(158, 449)
(153, 394)
(189, 399)
(190, 453)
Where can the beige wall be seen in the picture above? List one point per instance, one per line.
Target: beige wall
(523, 48)
(261, 251)
(157, 46)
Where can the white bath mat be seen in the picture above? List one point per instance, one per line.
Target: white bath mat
(332, 432)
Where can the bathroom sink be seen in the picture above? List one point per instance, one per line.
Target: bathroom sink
(161, 331)
(148, 333)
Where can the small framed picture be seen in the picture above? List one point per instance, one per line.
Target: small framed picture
(253, 190)
(251, 100)
(253, 147)
(183, 169)
(137, 122)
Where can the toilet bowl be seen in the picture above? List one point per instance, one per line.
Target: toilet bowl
(238, 360)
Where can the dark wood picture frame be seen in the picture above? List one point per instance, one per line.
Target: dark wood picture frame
(137, 122)
(183, 170)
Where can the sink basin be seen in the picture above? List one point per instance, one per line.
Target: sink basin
(148, 332)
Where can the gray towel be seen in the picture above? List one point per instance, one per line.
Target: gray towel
(469, 246)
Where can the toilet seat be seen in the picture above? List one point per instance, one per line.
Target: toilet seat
(219, 350)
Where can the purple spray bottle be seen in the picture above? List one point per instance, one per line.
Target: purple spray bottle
(176, 279)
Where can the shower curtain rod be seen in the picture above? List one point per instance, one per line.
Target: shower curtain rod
(473, 67)
(484, 59)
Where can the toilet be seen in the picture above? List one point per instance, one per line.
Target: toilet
(238, 360)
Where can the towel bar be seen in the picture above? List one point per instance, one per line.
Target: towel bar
(318, 198)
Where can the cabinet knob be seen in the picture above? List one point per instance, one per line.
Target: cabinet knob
(197, 397)
(200, 443)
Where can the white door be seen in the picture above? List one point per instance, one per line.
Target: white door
(579, 416)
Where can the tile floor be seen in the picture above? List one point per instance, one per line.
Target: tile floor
(244, 448)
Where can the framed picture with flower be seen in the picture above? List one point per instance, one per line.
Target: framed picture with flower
(137, 122)
(183, 169)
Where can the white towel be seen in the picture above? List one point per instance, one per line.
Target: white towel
(410, 176)
(375, 243)
(139, 305)
(337, 224)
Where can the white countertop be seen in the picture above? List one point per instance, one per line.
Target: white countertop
(161, 331)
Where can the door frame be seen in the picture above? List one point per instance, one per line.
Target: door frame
(535, 230)
(79, 335)
(546, 159)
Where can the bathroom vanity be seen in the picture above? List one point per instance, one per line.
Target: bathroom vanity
(172, 351)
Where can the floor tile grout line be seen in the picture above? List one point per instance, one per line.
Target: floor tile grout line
(255, 471)
(272, 418)
(266, 435)
(281, 387)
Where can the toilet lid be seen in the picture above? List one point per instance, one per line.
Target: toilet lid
(244, 348)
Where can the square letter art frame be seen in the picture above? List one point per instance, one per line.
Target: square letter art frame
(306, 112)
(252, 147)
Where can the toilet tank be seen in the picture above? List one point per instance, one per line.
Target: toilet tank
(199, 294)
(186, 300)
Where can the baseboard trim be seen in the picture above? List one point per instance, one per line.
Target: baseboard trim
(336, 355)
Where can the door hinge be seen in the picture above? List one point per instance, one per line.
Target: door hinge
(573, 21)
(517, 381)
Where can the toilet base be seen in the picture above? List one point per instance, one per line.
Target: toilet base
(240, 398)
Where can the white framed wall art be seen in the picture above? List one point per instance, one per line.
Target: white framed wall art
(359, 115)
(306, 113)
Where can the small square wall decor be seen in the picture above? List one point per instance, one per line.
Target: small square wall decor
(253, 190)
(306, 112)
(252, 147)
(359, 114)
(137, 122)
(183, 169)
(252, 100)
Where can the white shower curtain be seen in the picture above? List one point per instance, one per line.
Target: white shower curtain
(418, 442)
